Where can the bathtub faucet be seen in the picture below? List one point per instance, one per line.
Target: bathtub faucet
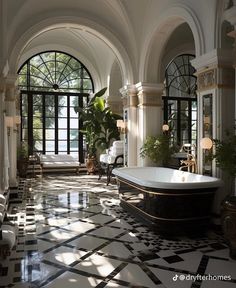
(190, 163)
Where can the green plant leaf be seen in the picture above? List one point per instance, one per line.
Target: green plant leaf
(98, 94)
(101, 92)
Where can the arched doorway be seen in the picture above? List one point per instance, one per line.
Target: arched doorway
(52, 84)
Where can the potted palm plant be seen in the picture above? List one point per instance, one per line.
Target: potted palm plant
(225, 157)
(99, 127)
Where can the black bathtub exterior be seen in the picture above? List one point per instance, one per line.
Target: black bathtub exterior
(169, 211)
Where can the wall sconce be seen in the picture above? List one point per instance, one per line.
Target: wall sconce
(206, 144)
(122, 126)
(17, 120)
(9, 123)
(165, 128)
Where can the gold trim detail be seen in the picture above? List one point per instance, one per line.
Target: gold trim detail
(162, 193)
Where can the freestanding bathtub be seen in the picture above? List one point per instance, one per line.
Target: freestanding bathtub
(169, 200)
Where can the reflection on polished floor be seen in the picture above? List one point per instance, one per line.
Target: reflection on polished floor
(72, 233)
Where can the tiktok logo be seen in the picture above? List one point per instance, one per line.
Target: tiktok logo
(175, 278)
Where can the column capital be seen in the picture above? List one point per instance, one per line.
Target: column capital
(150, 94)
(12, 80)
(214, 70)
(11, 87)
(149, 88)
(128, 90)
(213, 59)
(129, 96)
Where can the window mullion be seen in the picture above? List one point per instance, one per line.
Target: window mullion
(30, 122)
(80, 138)
(56, 123)
(44, 124)
(68, 124)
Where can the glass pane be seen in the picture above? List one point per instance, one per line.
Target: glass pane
(24, 122)
(24, 134)
(62, 122)
(50, 134)
(184, 105)
(37, 60)
(74, 64)
(49, 100)
(194, 125)
(24, 110)
(38, 145)
(72, 113)
(50, 146)
(22, 81)
(48, 56)
(50, 111)
(74, 83)
(50, 122)
(74, 101)
(74, 134)
(74, 145)
(37, 111)
(62, 111)
(37, 100)
(74, 123)
(62, 57)
(62, 134)
(87, 84)
(62, 100)
(62, 145)
(37, 134)
(37, 122)
(35, 81)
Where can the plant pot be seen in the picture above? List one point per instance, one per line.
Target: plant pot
(91, 165)
(228, 217)
(22, 166)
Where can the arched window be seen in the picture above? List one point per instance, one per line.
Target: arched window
(180, 102)
(52, 84)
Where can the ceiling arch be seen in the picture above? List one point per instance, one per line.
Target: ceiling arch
(155, 42)
(99, 46)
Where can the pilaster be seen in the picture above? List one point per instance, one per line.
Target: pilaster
(149, 114)
(130, 102)
(2, 108)
(216, 85)
(230, 16)
(10, 104)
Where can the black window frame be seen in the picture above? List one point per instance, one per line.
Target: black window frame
(28, 90)
(174, 81)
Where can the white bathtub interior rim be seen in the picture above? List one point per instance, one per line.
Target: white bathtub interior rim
(166, 178)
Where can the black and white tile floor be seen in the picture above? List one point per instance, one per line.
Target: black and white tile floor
(72, 233)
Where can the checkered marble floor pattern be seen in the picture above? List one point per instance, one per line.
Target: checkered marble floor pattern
(73, 233)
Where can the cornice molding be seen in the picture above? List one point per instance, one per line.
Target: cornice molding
(217, 57)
